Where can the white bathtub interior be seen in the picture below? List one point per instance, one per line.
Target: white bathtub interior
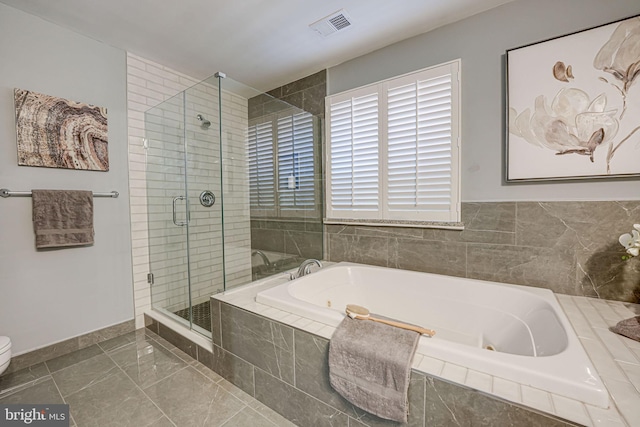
(522, 324)
(534, 342)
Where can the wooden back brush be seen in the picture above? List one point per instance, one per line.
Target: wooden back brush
(362, 313)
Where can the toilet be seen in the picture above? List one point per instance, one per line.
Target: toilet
(5, 353)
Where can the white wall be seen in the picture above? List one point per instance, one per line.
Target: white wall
(481, 42)
(50, 296)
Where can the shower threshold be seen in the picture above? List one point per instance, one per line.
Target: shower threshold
(201, 315)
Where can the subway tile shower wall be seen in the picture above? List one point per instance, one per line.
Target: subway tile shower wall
(148, 84)
(153, 185)
(568, 247)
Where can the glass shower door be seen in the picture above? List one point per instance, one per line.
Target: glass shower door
(167, 209)
(207, 233)
(184, 204)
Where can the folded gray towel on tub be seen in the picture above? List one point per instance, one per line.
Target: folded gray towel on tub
(62, 218)
(629, 328)
(370, 366)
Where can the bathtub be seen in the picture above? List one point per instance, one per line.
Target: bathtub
(518, 333)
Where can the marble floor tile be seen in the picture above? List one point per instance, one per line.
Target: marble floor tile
(77, 356)
(42, 354)
(135, 380)
(183, 356)
(248, 417)
(189, 399)
(115, 401)
(13, 381)
(84, 374)
(147, 362)
(162, 422)
(41, 392)
(119, 342)
(207, 372)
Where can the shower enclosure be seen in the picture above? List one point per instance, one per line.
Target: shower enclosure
(222, 160)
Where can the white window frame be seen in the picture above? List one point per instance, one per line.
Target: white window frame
(278, 211)
(384, 215)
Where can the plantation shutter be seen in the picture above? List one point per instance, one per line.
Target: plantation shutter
(353, 182)
(421, 143)
(261, 169)
(296, 186)
(393, 150)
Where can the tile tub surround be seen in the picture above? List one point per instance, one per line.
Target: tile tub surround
(34, 357)
(569, 247)
(252, 348)
(300, 238)
(136, 379)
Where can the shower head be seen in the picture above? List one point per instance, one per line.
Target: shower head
(204, 123)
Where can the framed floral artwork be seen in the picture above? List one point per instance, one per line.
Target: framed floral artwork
(574, 105)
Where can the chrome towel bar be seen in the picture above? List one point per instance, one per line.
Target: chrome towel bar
(8, 193)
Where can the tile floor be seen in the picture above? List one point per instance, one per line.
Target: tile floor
(138, 379)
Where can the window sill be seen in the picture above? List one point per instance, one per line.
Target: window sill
(287, 219)
(395, 223)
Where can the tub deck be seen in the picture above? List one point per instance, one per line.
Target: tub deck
(616, 359)
(534, 341)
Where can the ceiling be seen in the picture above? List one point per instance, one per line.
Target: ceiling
(262, 43)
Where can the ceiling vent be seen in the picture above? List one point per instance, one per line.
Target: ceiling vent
(333, 23)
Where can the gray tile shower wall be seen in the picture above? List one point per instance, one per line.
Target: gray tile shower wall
(293, 380)
(307, 93)
(568, 247)
(301, 237)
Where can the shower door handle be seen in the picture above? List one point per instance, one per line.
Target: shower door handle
(175, 214)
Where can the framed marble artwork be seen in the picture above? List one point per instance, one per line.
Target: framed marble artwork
(573, 105)
(57, 133)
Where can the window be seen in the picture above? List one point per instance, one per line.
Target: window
(393, 150)
(282, 166)
(261, 167)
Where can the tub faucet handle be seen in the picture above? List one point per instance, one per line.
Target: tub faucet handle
(305, 267)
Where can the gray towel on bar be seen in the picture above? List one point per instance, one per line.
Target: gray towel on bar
(370, 366)
(62, 218)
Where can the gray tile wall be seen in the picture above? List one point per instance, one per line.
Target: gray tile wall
(307, 93)
(286, 369)
(302, 238)
(568, 247)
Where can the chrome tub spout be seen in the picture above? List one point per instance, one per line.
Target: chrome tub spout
(261, 254)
